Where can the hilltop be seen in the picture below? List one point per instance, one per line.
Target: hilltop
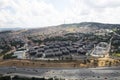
(91, 24)
(82, 24)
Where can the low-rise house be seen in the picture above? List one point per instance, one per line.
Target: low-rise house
(49, 54)
(72, 50)
(20, 54)
(81, 51)
(36, 47)
(58, 53)
(63, 48)
(32, 53)
(41, 50)
(39, 54)
(48, 51)
(57, 46)
(55, 49)
(46, 47)
(65, 52)
(51, 46)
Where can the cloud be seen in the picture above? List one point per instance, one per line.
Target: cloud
(106, 11)
(39, 13)
(103, 3)
(27, 13)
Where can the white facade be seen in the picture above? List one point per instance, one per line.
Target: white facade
(100, 50)
(20, 54)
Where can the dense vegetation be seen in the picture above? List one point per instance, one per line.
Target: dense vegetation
(5, 48)
(9, 56)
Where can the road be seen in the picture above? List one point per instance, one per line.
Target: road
(116, 34)
(112, 73)
(9, 52)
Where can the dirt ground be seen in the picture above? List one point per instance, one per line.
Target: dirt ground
(61, 63)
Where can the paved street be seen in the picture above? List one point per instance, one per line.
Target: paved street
(112, 73)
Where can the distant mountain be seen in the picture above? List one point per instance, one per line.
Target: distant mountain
(82, 24)
(9, 29)
(91, 24)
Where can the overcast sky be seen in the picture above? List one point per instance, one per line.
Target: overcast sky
(40, 13)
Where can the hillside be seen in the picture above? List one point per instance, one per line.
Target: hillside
(91, 24)
(8, 29)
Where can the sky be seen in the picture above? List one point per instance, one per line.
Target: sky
(42, 13)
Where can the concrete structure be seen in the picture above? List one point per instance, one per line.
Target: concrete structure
(20, 54)
(100, 50)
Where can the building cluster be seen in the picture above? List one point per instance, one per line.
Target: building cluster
(57, 48)
(60, 48)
